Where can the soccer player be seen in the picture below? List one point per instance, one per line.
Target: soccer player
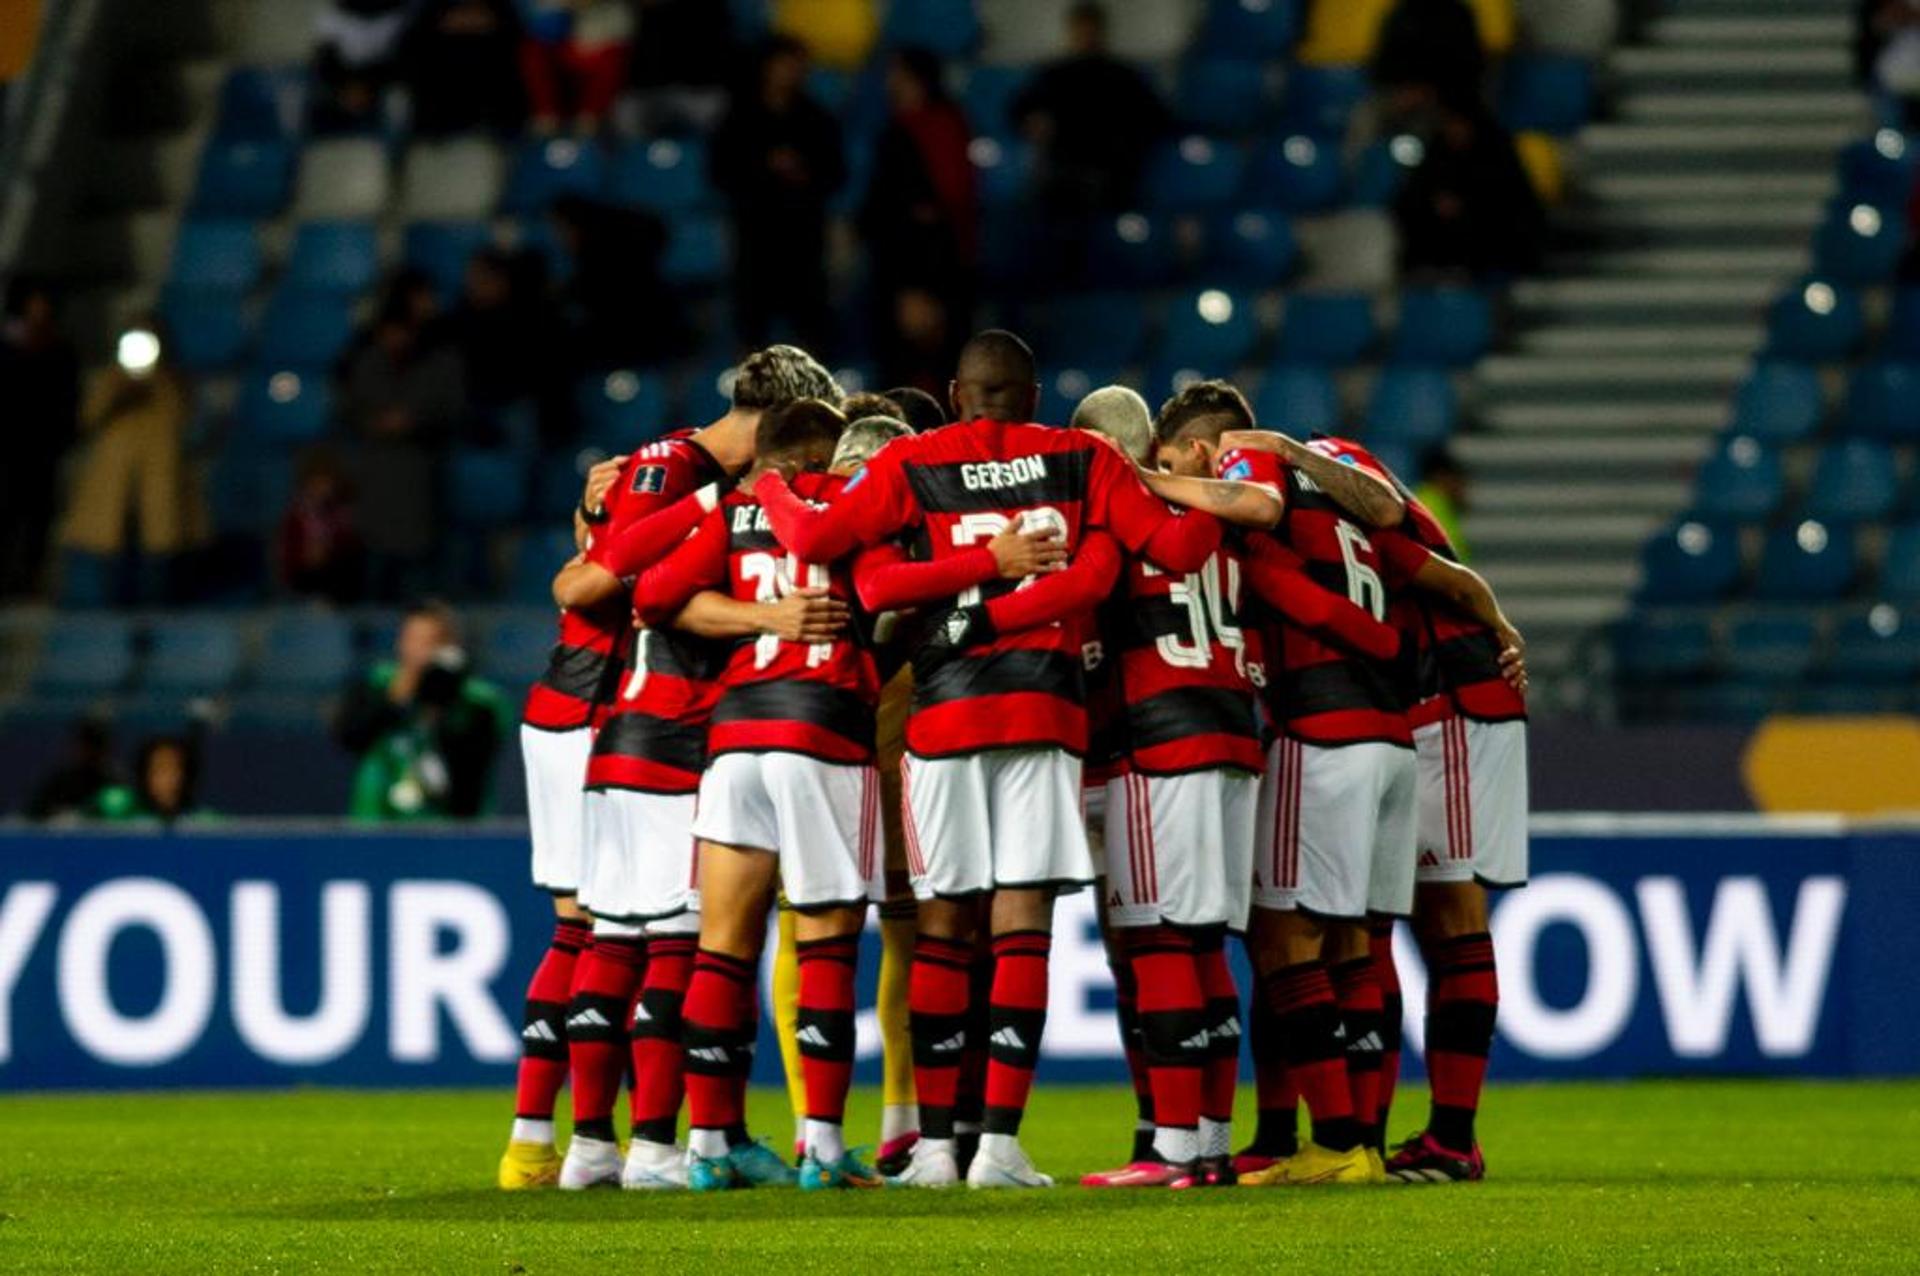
(993, 744)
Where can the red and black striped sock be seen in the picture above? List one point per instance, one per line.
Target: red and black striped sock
(1393, 1013)
(1461, 1009)
(543, 1032)
(1126, 1010)
(605, 979)
(659, 1083)
(1357, 992)
(937, 1022)
(1173, 1029)
(1308, 1025)
(1277, 1127)
(1221, 1071)
(825, 1031)
(1017, 1015)
(716, 1034)
(970, 1099)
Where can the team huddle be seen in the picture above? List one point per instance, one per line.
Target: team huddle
(813, 658)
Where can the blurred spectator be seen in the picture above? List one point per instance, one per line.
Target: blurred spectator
(683, 57)
(401, 398)
(778, 158)
(40, 385)
(918, 409)
(318, 545)
(838, 32)
(165, 788)
(356, 56)
(1444, 491)
(1886, 51)
(1094, 119)
(1435, 43)
(461, 62)
(72, 788)
(617, 308)
(134, 491)
(424, 729)
(920, 223)
(574, 60)
(1467, 208)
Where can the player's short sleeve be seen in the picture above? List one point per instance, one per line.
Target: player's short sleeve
(1253, 465)
(652, 479)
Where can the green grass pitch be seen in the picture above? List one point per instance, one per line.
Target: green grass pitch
(1734, 1176)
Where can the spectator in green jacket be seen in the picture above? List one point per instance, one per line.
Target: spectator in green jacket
(165, 786)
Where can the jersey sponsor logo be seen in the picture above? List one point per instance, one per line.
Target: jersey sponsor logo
(649, 480)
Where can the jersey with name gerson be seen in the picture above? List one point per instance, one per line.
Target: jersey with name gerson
(654, 736)
(957, 487)
(1459, 662)
(775, 696)
(1320, 691)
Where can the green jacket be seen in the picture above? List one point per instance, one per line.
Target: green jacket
(418, 762)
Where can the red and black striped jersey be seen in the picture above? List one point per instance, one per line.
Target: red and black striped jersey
(954, 489)
(1459, 660)
(774, 696)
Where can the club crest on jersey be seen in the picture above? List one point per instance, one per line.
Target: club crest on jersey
(957, 625)
(1241, 469)
(649, 480)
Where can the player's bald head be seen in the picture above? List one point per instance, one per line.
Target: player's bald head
(995, 378)
(1120, 414)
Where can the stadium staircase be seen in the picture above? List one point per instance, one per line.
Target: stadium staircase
(1700, 191)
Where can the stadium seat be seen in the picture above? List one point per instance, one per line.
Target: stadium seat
(699, 251)
(538, 556)
(343, 178)
(1663, 647)
(1741, 482)
(220, 256)
(1380, 169)
(948, 27)
(1853, 481)
(1879, 646)
(89, 654)
(989, 95)
(1212, 331)
(1883, 402)
(1003, 168)
(304, 331)
(1451, 327)
(543, 171)
(486, 488)
(557, 478)
(1413, 406)
(1221, 95)
(333, 256)
(306, 651)
(1546, 93)
(249, 486)
(1349, 250)
(249, 178)
(1330, 328)
(1583, 28)
(1062, 388)
(1195, 173)
(442, 250)
(1771, 648)
(261, 104)
(621, 409)
(1319, 100)
(1901, 340)
(1900, 566)
(209, 330)
(1131, 249)
(1878, 170)
(1778, 403)
(191, 657)
(1298, 399)
(1250, 28)
(1249, 247)
(280, 405)
(515, 647)
(1815, 322)
(1689, 562)
(1095, 329)
(458, 179)
(1296, 174)
(667, 175)
(1859, 245)
(1809, 561)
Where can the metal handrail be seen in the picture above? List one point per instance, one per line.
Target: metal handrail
(35, 110)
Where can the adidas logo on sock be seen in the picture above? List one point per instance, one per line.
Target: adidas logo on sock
(957, 1041)
(708, 1054)
(640, 1014)
(588, 1018)
(1339, 1032)
(1198, 1041)
(1370, 1042)
(539, 1030)
(1229, 1028)
(812, 1036)
(1009, 1038)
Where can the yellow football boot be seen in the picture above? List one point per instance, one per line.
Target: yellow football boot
(1314, 1165)
(529, 1165)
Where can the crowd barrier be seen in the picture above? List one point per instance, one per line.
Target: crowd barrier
(256, 956)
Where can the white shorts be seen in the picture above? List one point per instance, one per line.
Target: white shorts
(642, 867)
(1180, 848)
(1335, 833)
(556, 766)
(1093, 805)
(821, 818)
(1002, 818)
(1473, 801)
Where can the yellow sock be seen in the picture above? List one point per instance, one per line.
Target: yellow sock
(786, 1014)
(896, 1041)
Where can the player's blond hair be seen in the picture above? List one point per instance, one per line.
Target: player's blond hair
(780, 374)
(1122, 415)
(863, 438)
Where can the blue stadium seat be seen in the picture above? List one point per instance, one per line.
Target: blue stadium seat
(536, 558)
(333, 256)
(1412, 406)
(1901, 340)
(486, 488)
(1212, 331)
(249, 179)
(1900, 567)
(281, 405)
(442, 250)
(1878, 170)
(1879, 646)
(1859, 245)
(1883, 402)
(543, 171)
(1331, 328)
(620, 410)
(191, 657)
(1771, 648)
(1221, 95)
(249, 487)
(1741, 482)
(261, 104)
(948, 27)
(708, 391)
(1778, 403)
(306, 651)
(1320, 100)
(1545, 93)
(1664, 647)
(1250, 247)
(1816, 322)
(557, 479)
(989, 95)
(1379, 170)
(1062, 388)
(1194, 173)
(515, 648)
(1449, 326)
(88, 654)
(1003, 168)
(1809, 561)
(1250, 28)
(1689, 562)
(209, 330)
(667, 175)
(698, 251)
(1298, 399)
(216, 256)
(1097, 329)
(305, 331)
(1132, 248)
(1296, 174)
(1853, 481)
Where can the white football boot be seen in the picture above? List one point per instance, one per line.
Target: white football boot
(931, 1165)
(1002, 1162)
(654, 1167)
(590, 1163)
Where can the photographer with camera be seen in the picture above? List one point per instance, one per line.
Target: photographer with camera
(425, 728)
